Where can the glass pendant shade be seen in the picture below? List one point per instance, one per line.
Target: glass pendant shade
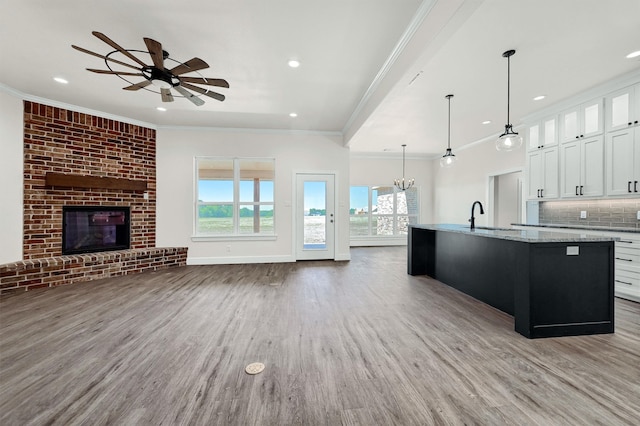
(509, 140)
(448, 159)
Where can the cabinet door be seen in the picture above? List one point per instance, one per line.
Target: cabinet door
(591, 118)
(550, 173)
(570, 169)
(620, 162)
(534, 166)
(623, 108)
(549, 137)
(570, 125)
(533, 137)
(592, 167)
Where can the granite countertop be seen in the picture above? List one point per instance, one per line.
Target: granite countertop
(581, 227)
(526, 235)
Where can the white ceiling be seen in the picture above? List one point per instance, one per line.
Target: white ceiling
(358, 59)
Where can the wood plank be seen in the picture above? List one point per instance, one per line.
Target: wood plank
(357, 342)
(83, 181)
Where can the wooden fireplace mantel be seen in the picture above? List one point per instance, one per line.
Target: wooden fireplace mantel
(83, 181)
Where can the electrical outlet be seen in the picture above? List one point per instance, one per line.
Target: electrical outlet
(638, 215)
(583, 214)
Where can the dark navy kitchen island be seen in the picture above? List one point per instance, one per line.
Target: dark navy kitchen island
(552, 283)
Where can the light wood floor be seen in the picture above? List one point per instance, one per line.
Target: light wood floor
(357, 342)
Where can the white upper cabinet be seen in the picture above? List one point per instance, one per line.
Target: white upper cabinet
(543, 134)
(542, 165)
(623, 108)
(583, 121)
(582, 168)
(623, 162)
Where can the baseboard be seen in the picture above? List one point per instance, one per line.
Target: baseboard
(238, 260)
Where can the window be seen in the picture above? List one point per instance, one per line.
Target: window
(381, 211)
(235, 196)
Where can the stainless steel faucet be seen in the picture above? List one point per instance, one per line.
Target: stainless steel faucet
(473, 219)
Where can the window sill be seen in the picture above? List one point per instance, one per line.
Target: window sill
(235, 237)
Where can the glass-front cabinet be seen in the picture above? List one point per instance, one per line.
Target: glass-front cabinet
(583, 121)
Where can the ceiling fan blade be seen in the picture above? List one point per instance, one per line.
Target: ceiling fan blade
(166, 95)
(104, 57)
(117, 47)
(205, 92)
(138, 86)
(195, 64)
(208, 81)
(193, 98)
(155, 50)
(136, 74)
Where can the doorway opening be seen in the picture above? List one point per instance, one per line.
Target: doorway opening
(505, 199)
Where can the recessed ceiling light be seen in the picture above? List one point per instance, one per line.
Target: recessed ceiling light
(161, 108)
(486, 122)
(293, 114)
(294, 63)
(539, 98)
(60, 80)
(633, 54)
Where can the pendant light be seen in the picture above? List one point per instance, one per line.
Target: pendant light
(403, 184)
(509, 140)
(448, 158)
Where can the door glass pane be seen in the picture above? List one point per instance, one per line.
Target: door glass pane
(591, 118)
(315, 226)
(620, 110)
(571, 125)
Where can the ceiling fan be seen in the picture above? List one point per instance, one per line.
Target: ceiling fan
(157, 75)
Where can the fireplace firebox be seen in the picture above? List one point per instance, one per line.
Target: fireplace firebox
(89, 229)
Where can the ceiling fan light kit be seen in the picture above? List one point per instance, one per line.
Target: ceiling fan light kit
(157, 75)
(509, 140)
(449, 157)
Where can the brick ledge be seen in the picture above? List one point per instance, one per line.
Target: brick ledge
(58, 270)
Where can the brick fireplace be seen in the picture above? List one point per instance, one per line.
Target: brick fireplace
(77, 159)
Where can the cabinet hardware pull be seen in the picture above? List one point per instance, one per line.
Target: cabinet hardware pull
(624, 282)
(635, 186)
(538, 193)
(625, 241)
(581, 187)
(629, 186)
(622, 258)
(582, 136)
(635, 122)
(577, 190)
(542, 193)
(577, 137)
(630, 123)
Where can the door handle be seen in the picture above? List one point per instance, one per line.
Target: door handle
(581, 187)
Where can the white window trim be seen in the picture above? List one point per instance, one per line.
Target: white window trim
(237, 204)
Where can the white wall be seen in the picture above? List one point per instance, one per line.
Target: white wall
(383, 171)
(302, 152)
(11, 180)
(456, 188)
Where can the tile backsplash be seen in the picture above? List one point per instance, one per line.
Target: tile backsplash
(614, 213)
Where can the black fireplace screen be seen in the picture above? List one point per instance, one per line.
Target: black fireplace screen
(88, 229)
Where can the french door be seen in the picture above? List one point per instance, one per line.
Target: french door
(315, 216)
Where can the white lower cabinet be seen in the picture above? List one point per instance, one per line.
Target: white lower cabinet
(627, 258)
